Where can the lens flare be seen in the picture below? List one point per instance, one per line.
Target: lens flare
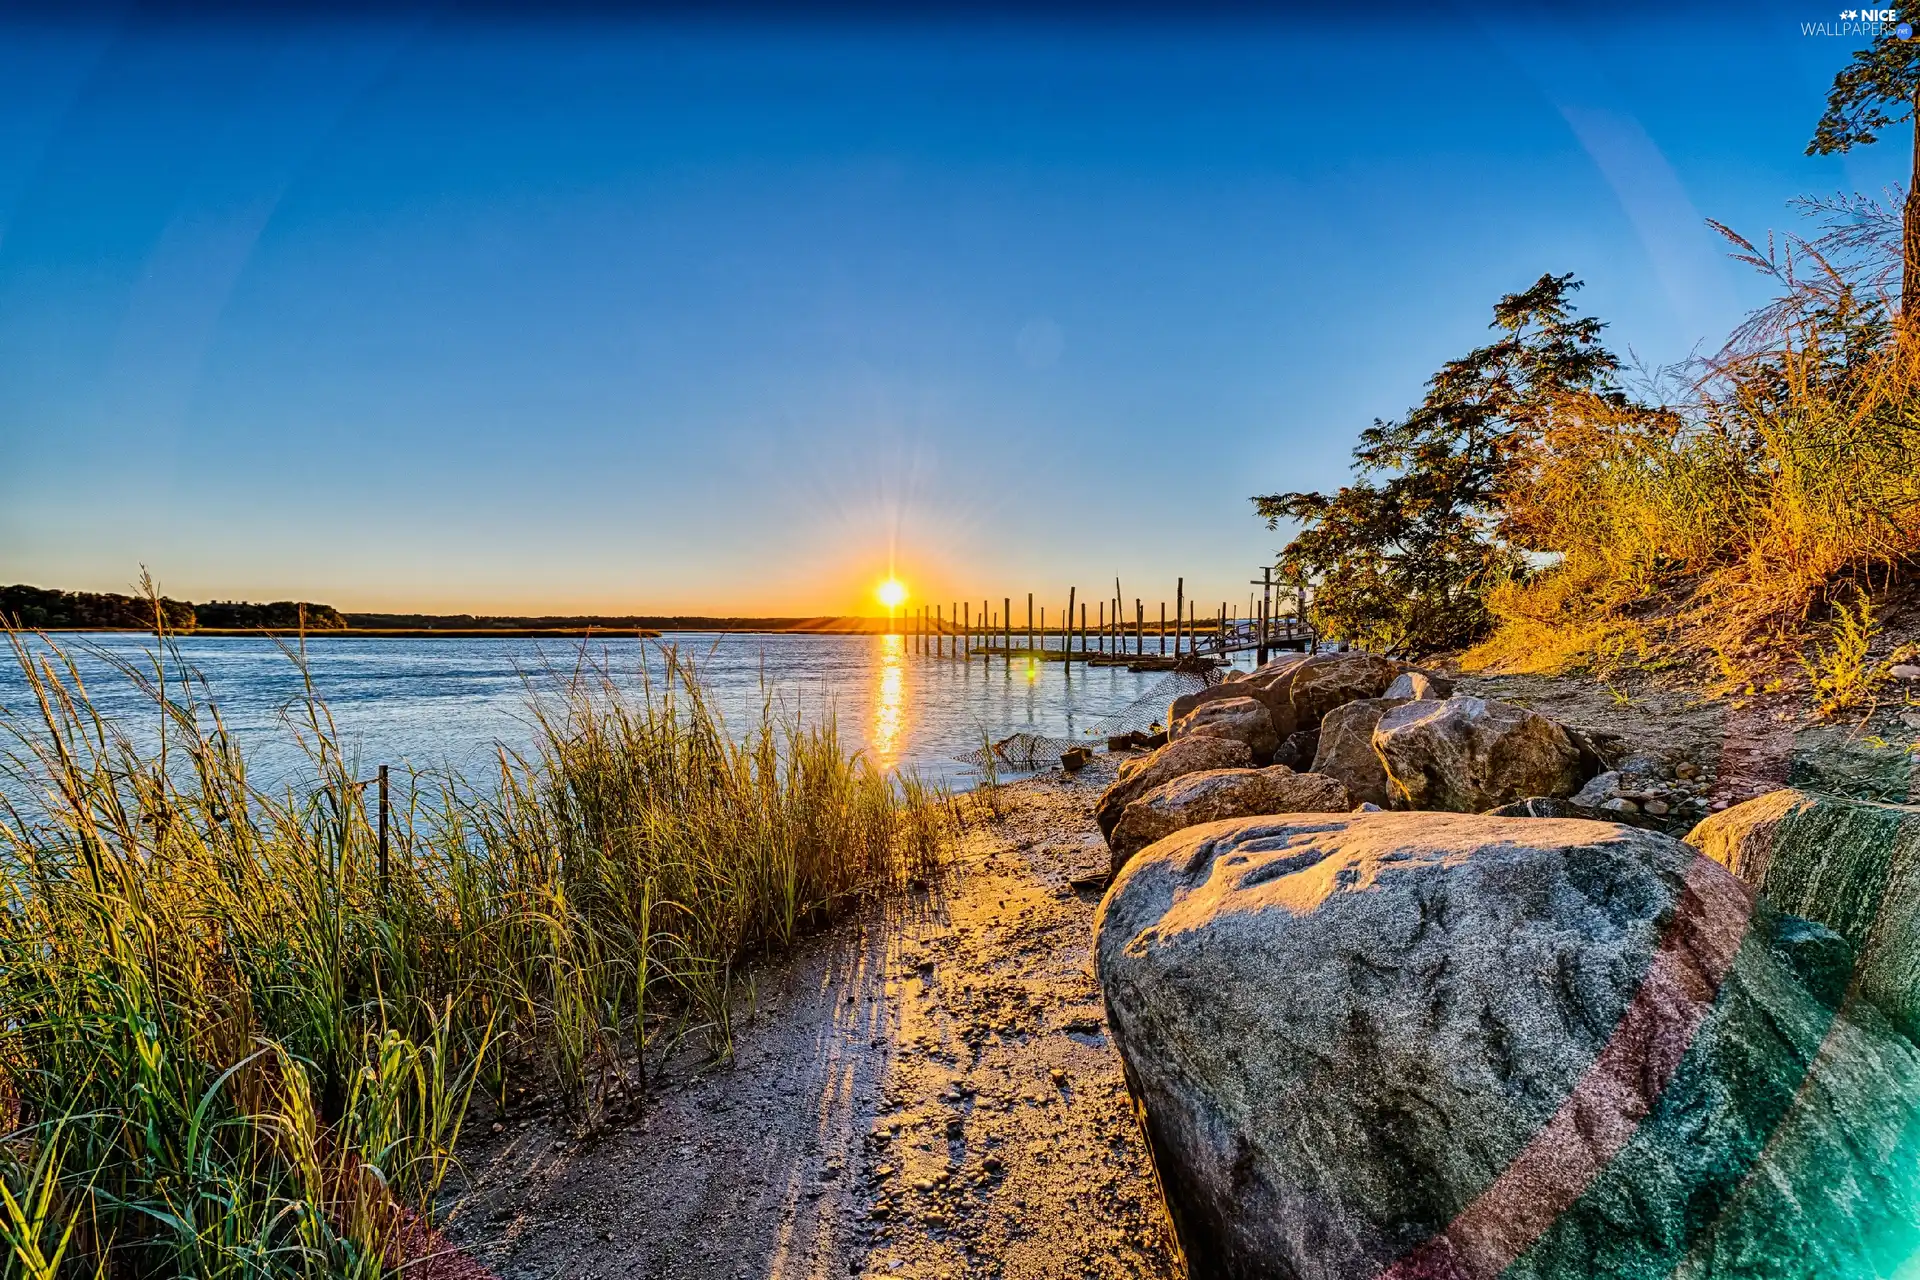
(892, 593)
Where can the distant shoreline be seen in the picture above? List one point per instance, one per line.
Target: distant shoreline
(462, 633)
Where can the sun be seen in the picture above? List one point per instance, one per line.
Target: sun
(892, 593)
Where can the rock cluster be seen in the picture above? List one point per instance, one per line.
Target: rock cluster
(1511, 1026)
(1384, 733)
(1650, 784)
(1189, 755)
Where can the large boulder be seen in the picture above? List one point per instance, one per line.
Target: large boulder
(1277, 705)
(1470, 755)
(1851, 865)
(1278, 667)
(1412, 685)
(1240, 719)
(1345, 751)
(1214, 794)
(1143, 773)
(1423, 1046)
(1329, 680)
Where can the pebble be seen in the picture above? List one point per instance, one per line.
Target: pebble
(1658, 808)
(1620, 805)
(1905, 671)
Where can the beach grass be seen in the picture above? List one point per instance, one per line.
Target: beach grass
(232, 1043)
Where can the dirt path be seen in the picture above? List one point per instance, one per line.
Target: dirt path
(928, 1092)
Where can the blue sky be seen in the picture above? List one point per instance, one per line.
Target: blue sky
(459, 311)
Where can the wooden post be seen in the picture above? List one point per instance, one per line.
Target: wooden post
(386, 884)
(1008, 621)
(1179, 611)
(1266, 590)
(1163, 628)
(1083, 629)
(1266, 610)
(1066, 627)
(1043, 631)
(1029, 621)
(1103, 626)
(1139, 627)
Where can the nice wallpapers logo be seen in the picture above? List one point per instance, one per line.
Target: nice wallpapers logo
(1861, 22)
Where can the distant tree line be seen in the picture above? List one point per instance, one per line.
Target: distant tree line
(46, 608)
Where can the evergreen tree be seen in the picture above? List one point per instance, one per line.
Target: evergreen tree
(1401, 558)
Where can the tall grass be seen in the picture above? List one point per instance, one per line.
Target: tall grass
(1734, 525)
(229, 1048)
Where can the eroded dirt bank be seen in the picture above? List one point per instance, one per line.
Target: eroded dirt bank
(929, 1091)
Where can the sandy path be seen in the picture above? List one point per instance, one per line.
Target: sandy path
(927, 1092)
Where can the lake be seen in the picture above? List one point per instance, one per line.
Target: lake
(448, 703)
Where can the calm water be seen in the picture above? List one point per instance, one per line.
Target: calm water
(434, 704)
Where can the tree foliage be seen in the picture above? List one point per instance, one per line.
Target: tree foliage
(1873, 91)
(1402, 557)
(1880, 87)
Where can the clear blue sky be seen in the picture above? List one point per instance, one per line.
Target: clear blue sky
(595, 312)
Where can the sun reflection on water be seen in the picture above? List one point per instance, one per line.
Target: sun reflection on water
(889, 708)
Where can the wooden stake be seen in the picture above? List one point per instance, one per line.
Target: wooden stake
(1179, 611)
(1066, 629)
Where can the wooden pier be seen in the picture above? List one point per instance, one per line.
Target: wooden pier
(1115, 635)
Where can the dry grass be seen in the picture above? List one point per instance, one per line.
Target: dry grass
(1725, 530)
(228, 1049)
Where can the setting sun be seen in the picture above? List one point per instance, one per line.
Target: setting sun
(892, 593)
